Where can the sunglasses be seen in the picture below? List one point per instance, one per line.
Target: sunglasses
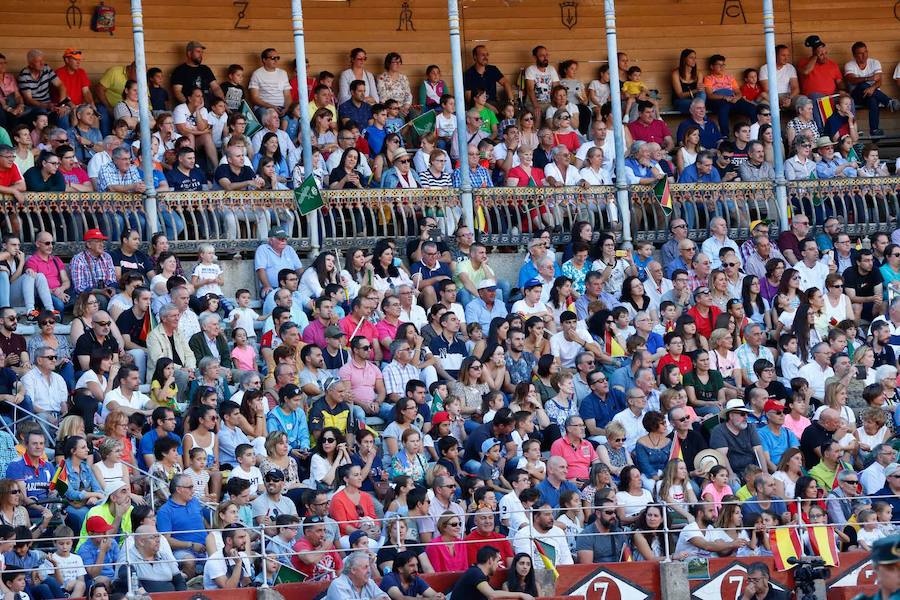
(50, 357)
(729, 264)
(48, 322)
(683, 419)
(329, 440)
(102, 323)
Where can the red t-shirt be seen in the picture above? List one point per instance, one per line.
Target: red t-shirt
(328, 567)
(821, 80)
(705, 324)
(75, 83)
(500, 542)
(657, 131)
(10, 176)
(521, 177)
(684, 364)
(750, 93)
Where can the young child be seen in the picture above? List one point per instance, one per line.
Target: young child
(38, 134)
(163, 389)
(233, 88)
(491, 469)
(475, 333)
(438, 391)
(33, 562)
(750, 90)
(668, 313)
(243, 354)
(281, 545)
(120, 129)
(598, 89)
(717, 488)
(634, 90)
(489, 120)
(243, 316)
(209, 304)
(208, 277)
(394, 121)
(643, 254)
(199, 475)
(491, 402)
(247, 469)
(524, 429)
(432, 89)
(885, 514)
(268, 573)
(453, 406)
(375, 133)
(440, 428)
(70, 566)
(290, 122)
(159, 97)
(15, 584)
(338, 293)
(217, 117)
(871, 530)
(445, 123)
(507, 116)
(448, 451)
(536, 468)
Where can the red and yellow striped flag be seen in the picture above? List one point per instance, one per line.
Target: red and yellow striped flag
(823, 543)
(785, 544)
(676, 449)
(549, 563)
(826, 107)
(663, 195)
(626, 554)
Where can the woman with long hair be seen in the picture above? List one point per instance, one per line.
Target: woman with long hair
(767, 139)
(405, 412)
(520, 576)
(346, 176)
(495, 373)
(689, 148)
(730, 528)
(110, 470)
(321, 128)
(201, 425)
(270, 148)
(252, 417)
(803, 330)
(535, 340)
(651, 452)
(526, 397)
(635, 299)
(649, 539)
(718, 289)
(756, 307)
(582, 231)
(384, 160)
(768, 286)
(387, 275)
(328, 456)
(12, 510)
(322, 272)
(788, 470)
(686, 82)
(226, 513)
(675, 491)
(600, 482)
(808, 494)
(497, 331)
(561, 296)
(278, 456)
(395, 535)
(548, 367)
(84, 491)
(836, 398)
(632, 496)
(469, 385)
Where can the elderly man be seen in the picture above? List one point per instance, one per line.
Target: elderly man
(844, 498)
(763, 251)
(269, 86)
(270, 258)
(578, 452)
(600, 138)
(687, 250)
(537, 250)
(764, 500)
(756, 168)
(486, 306)
(717, 240)
(701, 171)
(602, 540)
(474, 135)
(874, 476)
(399, 372)
(818, 369)
(120, 175)
(820, 433)
(789, 241)
(738, 442)
(751, 351)
(479, 176)
(188, 321)
(432, 272)
(210, 341)
(93, 269)
(444, 490)
(704, 311)
(155, 567)
(102, 158)
(115, 511)
(355, 581)
(35, 82)
(45, 387)
(178, 518)
(11, 181)
(192, 73)
(656, 285)
(485, 535)
(709, 131)
(271, 123)
(165, 341)
(678, 231)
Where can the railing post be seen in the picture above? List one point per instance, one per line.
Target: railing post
(312, 219)
(140, 65)
(459, 97)
(775, 109)
(665, 517)
(612, 51)
(262, 552)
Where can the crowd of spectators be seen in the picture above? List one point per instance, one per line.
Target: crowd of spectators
(382, 406)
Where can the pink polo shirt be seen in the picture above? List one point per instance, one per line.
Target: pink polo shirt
(362, 380)
(579, 459)
(49, 268)
(367, 330)
(386, 330)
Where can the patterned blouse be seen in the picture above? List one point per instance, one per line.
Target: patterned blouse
(397, 89)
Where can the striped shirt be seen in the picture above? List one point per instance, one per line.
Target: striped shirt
(38, 88)
(428, 179)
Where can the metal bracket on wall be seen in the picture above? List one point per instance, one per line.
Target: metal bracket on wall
(242, 5)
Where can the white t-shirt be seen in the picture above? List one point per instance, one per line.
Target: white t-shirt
(99, 160)
(543, 81)
(511, 508)
(566, 350)
(500, 152)
(71, 567)
(138, 400)
(210, 271)
(218, 124)
(571, 178)
(602, 91)
(445, 126)
(633, 504)
(182, 114)
(271, 85)
(872, 67)
(522, 307)
(254, 476)
(218, 566)
(246, 318)
(785, 74)
(689, 532)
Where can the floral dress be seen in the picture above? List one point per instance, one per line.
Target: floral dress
(576, 275)
(394, 89)
(415, 469)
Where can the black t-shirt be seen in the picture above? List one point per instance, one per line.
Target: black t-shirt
(190, 77)
(88, 342)
(334, 363)
(885, 357)
(862, 285)
(34, 181)
(691, 446)
(139, 261)
(813, 437)
(413, 245)
(488, 81)
(131, 326)
(467, 585)
(723, 171)
(225, 172)
(775, 389)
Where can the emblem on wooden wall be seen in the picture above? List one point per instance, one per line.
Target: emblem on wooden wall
(732, 9)
(242, 6)
(897, 10)
(74, 16)
(406, 18)
(568, 13)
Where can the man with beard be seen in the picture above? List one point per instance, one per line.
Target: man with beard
(403, 581)
(229, 567)
(741, 444)
(316, 557)
(543, 532)
(192, 73)
(602, 540)
(539, 80)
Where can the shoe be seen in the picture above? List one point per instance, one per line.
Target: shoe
(894, 105)
(876, 133)
(32, 316)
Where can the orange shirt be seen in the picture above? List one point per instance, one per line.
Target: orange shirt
(720, 82)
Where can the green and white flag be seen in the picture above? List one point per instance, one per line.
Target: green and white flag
(308, 196)
(424, 123)
(253, 124)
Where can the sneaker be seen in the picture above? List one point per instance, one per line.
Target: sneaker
(876, 133)
(32, 316)
(894, 105)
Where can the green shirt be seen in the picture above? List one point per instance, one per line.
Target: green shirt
(823, 476)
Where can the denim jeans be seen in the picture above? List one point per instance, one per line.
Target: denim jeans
(723, 110)
(21, 291)
(683, 105)
(872, 102)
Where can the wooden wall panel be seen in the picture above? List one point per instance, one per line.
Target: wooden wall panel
(652, 33)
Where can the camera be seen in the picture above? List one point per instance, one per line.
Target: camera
(806, 574)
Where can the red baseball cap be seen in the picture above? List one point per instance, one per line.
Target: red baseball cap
(773, 405)
(94, 234)
(440, 417)
(98, 525)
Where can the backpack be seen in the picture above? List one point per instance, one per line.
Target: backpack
(104, 19)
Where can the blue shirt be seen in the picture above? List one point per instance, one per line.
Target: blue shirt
(192, 182)
(550, 494)
(622, 378)
(90, 553)
(266, 259)
(229, 440)
(375, 137)
(438, 270)
(709, 133)
(777, 445)
(690, 175)
(600, 410)
(529, 271)
(174, 518)
(360, 115)
(479, 177)
(654, 342)
(294, 425)
(478, 312)
(36, 478)
(418, 587)
(148, 440)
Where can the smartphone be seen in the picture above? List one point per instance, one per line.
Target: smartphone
(860, 373)
(621, 253)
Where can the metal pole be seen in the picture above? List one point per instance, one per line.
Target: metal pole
(262, 548)
(140, 64)
(459, 97)
(612, 50)
(312, 219)
(775, 109)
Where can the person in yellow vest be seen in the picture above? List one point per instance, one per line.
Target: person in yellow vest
(115, 510)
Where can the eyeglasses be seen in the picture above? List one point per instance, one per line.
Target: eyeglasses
(329, 440)
(50, 357)
(454, 524)
(403, 161)
(102, 323)
(12, 318)
(48, 322)
(273, 58)
(764, 114)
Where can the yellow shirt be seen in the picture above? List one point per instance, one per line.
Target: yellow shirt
(114, 81)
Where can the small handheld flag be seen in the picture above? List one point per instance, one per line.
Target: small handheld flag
(308, 197)
(676, 449)
(60, 481)
(549, 563)
(785, 544)
(424, 123)
(663, 195)
(822, 543)
(253, 124)
(286, 574)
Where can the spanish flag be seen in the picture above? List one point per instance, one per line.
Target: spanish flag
(663, 195)
(676, 449)
(826, 106)
(545, 550)
(481, 223)
(626, 554)
(60, 481)
(785, 544)
(822, 542)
